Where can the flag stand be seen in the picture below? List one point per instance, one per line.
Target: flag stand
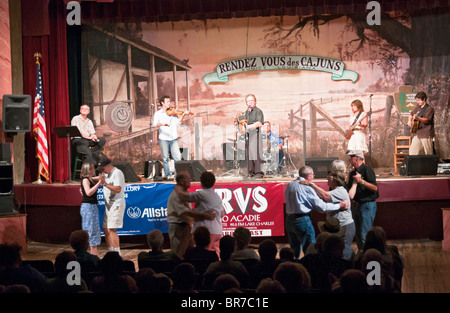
(39, 181)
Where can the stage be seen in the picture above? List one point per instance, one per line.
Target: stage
(408, 207)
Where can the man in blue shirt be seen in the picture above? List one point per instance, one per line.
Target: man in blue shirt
(300, 200)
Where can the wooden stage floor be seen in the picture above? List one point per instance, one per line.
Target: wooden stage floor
(427, 266)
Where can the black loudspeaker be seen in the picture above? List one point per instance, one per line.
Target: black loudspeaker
(7, 205)
(16, 113)
(6, 178)
(128, 171)
(419, 165)
(153, 169)
(228, 156)
(194, 168)
(5, 152)
(320, 166)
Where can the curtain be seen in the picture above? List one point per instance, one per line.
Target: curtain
(51, 43)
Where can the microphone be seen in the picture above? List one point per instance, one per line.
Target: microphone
(371, 95)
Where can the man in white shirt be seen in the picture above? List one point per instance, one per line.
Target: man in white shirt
(88, 144)
(168, 133)
(114, 195)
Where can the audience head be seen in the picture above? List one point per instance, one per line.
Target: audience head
(352, 281)
(334, 245)
(376, 239)
(61, 261)
(184, 277)
(225, 282)
(226, 246)
(183, 179)
(370, 255)
(267, 250)
(293, 276)
(160, 283)
(243, 236)
(320, 239)
(207, 179)
(268, 285)
(144, 279)
(202, 236)
(10, 256)
(111, 265)
(79, 240)
(155, 240)
(287, 254)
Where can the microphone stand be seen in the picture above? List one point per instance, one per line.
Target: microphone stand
(370, 130)
(153, 166)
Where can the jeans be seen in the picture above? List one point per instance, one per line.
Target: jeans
(172, 146)
(364, 215)
(300, 232)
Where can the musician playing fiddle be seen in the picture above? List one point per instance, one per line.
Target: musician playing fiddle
(423, 115)
(357, 123)
(167, 125)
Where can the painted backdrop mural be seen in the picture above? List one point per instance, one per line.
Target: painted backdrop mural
(305, 102)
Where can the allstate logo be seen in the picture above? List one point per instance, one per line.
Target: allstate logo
(134, 212)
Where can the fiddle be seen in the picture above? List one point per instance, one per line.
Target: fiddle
(172, 111)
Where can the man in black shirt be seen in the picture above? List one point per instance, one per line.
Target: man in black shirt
(364, 191)
(255, 119)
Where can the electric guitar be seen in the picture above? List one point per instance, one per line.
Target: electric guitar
(348, 134)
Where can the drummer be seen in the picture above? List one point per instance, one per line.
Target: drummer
(274, 144)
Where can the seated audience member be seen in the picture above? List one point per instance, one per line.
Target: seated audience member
(351, 281)
(143, 279)
(79, 241)
(316, 247)
(155, 240)
(268, 262)
(287, 254)
(184, 278)
(11, 273)
(243, 236)
(331, 260)
(386, 283)
(268, 285)
(59, 284)
(293, 277)
(393, 261)
(225, 265)
(112, 279)
(226, 283)
(198, 255)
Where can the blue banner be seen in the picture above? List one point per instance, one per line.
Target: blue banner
(146, 208)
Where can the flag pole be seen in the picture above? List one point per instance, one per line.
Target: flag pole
(39, 181)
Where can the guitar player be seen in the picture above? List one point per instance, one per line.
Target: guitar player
(421, 121)
(356, 127)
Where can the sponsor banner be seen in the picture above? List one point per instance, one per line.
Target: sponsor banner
(146, 208)
(258, 207)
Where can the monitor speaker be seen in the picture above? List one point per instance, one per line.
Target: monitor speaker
(6, 178)
(7, 205)
(419, 165)
(16, 113)
(5, 152)
(194, 168)
(128, 171)
(320, 166)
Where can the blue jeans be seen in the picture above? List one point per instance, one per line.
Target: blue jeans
(172, 146)
(364, 215)
(300, 232)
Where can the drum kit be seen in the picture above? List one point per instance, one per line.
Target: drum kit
(272, 165)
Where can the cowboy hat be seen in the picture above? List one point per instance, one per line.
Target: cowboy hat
(332, 226)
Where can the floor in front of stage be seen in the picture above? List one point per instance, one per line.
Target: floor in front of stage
(427, 266)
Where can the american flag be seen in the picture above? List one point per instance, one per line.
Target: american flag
(39, 127)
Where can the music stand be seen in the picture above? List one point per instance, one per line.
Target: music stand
(67, 132)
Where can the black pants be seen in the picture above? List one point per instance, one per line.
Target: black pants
(90, 149)
(253, 153)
